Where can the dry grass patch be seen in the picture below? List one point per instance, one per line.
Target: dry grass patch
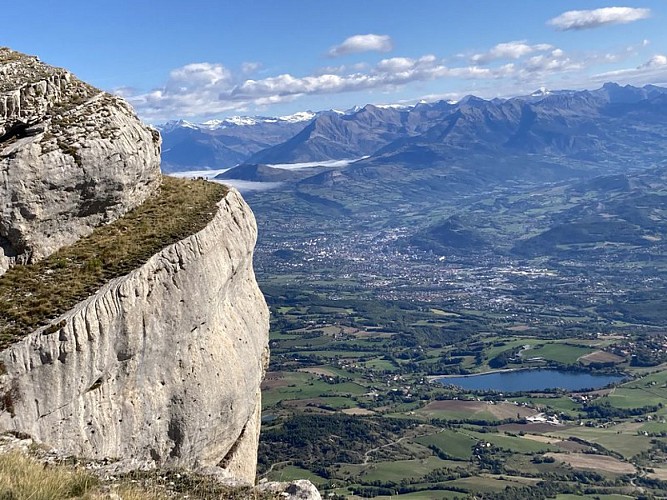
(31, 296)
(542, 439)
(358, 411)
(594, 462)
(537, 428)
(574, 447)
(22, 477)
(520, 328)
(660, 474)
(601, 357)
(507, 410)
(274, 380)
(25, 478)
(478, 409)
(319, 371)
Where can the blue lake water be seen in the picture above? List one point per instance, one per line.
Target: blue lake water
(532, 380)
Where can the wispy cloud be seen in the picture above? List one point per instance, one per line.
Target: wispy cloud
(509, 50)
(250, 67)
(362, 43)
(655, 68)
(587, 19)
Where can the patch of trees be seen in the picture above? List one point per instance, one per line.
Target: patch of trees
(505, 357)
(311, 440)
(604, 409)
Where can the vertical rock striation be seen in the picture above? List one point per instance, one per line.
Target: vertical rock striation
(162, 365)
(71, 158)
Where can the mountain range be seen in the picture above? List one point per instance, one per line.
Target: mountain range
(608, 124)
(224, 143)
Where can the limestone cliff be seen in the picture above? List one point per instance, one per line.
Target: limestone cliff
(162, 365)
(71, 157)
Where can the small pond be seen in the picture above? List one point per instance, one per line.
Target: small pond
(531, 380)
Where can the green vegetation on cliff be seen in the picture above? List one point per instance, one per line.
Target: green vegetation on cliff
(32, 295)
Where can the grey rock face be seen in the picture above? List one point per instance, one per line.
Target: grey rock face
(162, 365)
(300, 489)
(71, 158)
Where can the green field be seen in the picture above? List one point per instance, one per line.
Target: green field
(593, 497)
(453, 414)
(307, 386)
(561, 353)
(426, 495)
(648, 390)
(452, 443)
(511, 443)
(626, 443)
(564, 404)
(292, 473)
(395, 470)
(482, 484)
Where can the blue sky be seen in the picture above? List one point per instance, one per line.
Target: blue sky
(211, 59)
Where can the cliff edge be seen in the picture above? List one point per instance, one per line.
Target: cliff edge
(161, 366)
(160, 362)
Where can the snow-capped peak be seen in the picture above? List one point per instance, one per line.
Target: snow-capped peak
(213, 124)
(541, 92)
(393, 106)
(301, 116)
(240, 120)
(174, 124)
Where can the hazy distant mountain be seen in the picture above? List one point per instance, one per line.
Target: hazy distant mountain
(449, 234)
(610, 209)
(224, 143)
(334, 136)
(265, 173)
(606, 124)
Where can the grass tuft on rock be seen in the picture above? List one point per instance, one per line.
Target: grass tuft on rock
(33, 295)
(22, 477)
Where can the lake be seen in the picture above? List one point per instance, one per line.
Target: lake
(531, 380)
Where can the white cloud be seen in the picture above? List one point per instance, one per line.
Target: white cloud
(654, 68)
(396, 64)
(210, 89)
(204, 89)
(557, 61)
(362, 43)
(509, 50)
(197, 76)
(657, 61)
(250, 67)
(586, 19)
(190, 90)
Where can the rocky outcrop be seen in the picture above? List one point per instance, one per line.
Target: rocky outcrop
(301, 489)
(161, 366)
(71, 158)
